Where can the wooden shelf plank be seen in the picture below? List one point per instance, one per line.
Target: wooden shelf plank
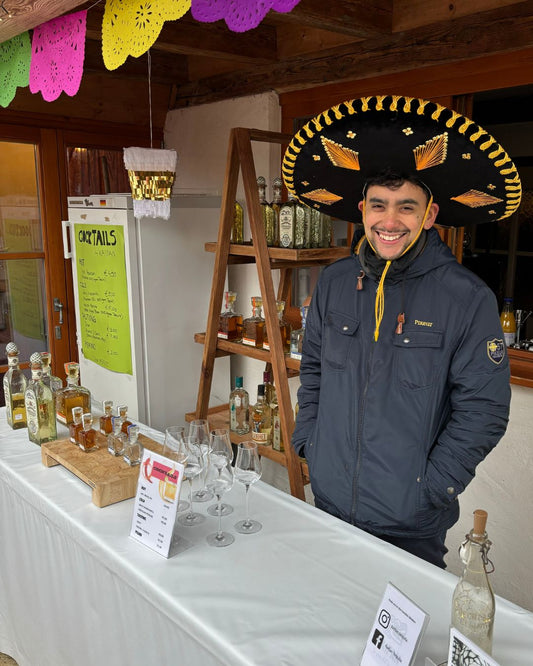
(303, 257)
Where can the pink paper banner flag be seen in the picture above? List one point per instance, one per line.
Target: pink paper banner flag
(240, 15)
(15, 57)
(58, 52)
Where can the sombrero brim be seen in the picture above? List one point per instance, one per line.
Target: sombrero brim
(470, 175)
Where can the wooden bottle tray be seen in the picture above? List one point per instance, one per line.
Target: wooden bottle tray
(110, 477)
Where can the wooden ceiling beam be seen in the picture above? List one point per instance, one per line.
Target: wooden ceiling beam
(25, 15)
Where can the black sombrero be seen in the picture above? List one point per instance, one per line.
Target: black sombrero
(470, 175)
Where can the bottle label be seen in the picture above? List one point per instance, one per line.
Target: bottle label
(509, 339)
(222, 335)
(248, 341)
(31, 413)
(259, 437)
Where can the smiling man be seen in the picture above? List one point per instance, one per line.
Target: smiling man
(404, 374)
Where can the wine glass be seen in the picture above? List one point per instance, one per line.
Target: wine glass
(219, 479)
(193, 467)
(200, 428)
(174, 449)
(221, 454)
(247, 472)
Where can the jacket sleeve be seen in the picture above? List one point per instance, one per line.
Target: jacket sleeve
(310, 371)
(480, 396)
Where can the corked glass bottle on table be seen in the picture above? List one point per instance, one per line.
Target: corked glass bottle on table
(15, 383)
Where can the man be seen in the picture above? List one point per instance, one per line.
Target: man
(404, 376)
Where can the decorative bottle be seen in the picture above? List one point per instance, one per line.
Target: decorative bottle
(116, 439)
(15, 383)
(239, 409)
(508, 322)
(87, 435)
(284, 329)
(253, 327)
(297, 336)
(40, 410)
(326, 230)
(237, 227)
(260, 418)
(133, 449)
(48, 378)
(473, 600)
(72, 395)
(277, 436)
(230, 322)
(287, 223)
(123, 416)
(267, 212)
(277, 184)
(270, 399)
(317, 228)
(76, 426)
(106, 420)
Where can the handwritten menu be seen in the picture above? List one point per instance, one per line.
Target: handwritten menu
(103, 296)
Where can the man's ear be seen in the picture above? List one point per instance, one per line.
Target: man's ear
(360, 206)
(432, 216)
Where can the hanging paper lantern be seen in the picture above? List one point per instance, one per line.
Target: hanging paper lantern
(130, 27)
(151, 172)
(15, 57)
(240, 15)
(58, 52)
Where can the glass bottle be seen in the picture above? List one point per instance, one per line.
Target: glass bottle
(508, 322)
(76, 426)
(123, 416)
(48, 378)
(230, 322)
(326, 230)
(277, 436)
(259, 419)
(473, 600)
(287, 223)
(15, 383)
(87, 435)
(106, 420)
(237, 227)
(133, 449)
(116, 439)
(277, 184)
(284, 329)
(297, 336)
(317, 224)
(270, 399)
(72, 395)
(267, 212)
(239, 409)
(40, 410)
(253, 327)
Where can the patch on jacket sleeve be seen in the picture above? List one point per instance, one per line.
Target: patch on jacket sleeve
(496, 350)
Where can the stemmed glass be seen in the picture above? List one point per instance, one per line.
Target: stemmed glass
(247, 472)
(193, 466)
(174, 449)
(200, 428)
(219, 480)
(221, 454)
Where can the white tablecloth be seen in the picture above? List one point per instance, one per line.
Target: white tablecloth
(75, 589)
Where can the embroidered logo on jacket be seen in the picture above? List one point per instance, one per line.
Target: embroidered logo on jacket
(496, 350)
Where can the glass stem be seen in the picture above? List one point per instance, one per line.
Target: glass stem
(219, 511)
(190, 497)
(247, 521)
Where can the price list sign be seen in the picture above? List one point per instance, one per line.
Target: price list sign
(103, 296)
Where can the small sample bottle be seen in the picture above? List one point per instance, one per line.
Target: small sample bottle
(267, 212)
(72, 395)
(48, 378)
(106, 423)
(87, 436)
(508, 322)
(237, 227)
(40, 410)
(284, 328)
(76, 426)
(297, 336)
(260, 419)
(230, 322)
(15, 383)
(123, 415)
(253, 327)
(133, 449)
(239, 409)
(116, 439)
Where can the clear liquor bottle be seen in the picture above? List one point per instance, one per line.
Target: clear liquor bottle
(239, 409)
(317, 226)
(55, 383)
(270, 400)
(297, 336)
(260, 418)
(106, 420)
(72, 395)
(326, 230)
(133, 449)
(287, 223)
(40, 410)
(237, 227)
(277, 436)
(15, 383)
(267, 212)
(87, 435)
(284, 328)
(116, 439)
(253, 327)
(473, 600)
(76, 426)
(277, 184)
(230, 322)
(302, 224)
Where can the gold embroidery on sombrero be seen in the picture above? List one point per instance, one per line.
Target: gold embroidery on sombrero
(475, 199)
(436, 114)
(488, 143)
(432, 153)
(337, 111)
(316, 123)
(297, 137)
(307, 129)
(394, 103)
(422, 106)
(364, 103)
(341, 156)
(379, 102)
(466, 156)
(322, 196)
(466, 124)
(474, 137)
(451, 121)
(407, 104)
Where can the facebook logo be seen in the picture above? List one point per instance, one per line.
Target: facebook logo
(377, 639)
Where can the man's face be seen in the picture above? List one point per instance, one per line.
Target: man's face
(393, 217)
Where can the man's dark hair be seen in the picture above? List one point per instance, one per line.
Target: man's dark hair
(394, 180)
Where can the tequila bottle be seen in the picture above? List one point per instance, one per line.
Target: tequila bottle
(40, 410)
(76, 426)
(317, 226)
(326, 230)
(48, 378)
(284, 328)
(277, 437)
(302, 224)
(116, 439)
(123, 416)
(297, 336)
(270, 400)
(473, 600)
(237, 227)
(133, 449)
(106, 423)
(230, 322)
(287, 223)
(72, 395)
(15, 383)
(267, 212)
(276, 205)
(239, 409)
(253, 327)
(87, 435)
(260, 419)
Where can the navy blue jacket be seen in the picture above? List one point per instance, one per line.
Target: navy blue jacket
(393, 429)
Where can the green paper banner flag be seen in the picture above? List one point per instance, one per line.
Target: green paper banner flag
(103, 296)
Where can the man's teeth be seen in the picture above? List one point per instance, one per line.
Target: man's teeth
(389, 237)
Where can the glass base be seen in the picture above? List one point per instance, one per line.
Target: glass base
(248, 526)
(219, 539)
(225, 509)
(191, 519)
(202, 496)
(183, 506)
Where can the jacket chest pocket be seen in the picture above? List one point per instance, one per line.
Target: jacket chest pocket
(339, 335)
(416, 358)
